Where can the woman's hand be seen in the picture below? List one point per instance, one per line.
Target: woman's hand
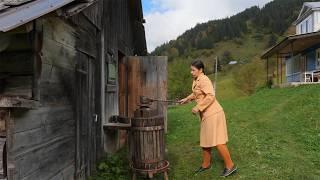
(195, 110)
(183, 101)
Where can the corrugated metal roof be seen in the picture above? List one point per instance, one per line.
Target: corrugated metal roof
(15, 16)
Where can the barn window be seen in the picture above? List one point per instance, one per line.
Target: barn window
(111, 69)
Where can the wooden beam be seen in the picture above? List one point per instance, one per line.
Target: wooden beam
(37, 35)
(122, 126)
(18, 102)
(26, 28)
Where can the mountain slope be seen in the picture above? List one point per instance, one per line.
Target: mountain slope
(274, 18)
(242, 38)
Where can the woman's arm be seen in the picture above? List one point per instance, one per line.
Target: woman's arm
(206, 102)
(189, 98)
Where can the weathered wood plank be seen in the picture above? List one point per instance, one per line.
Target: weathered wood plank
(3, 132)
(29, 166)
(31, 138)
(93, 13)
(2, 158)
(11, 162)
(58, 54)
(60, 31)
(162, 71)
(57, 86)
(65, 173)
(17, 102)
(17, 86)
(33, 119)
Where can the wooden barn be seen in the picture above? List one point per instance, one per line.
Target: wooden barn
(67, 67)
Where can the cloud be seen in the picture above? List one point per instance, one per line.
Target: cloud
(167, 19)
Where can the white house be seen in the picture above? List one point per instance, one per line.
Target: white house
(300, 52)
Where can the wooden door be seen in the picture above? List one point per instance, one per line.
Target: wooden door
(136, 76)
(86, 118)
(147, 76)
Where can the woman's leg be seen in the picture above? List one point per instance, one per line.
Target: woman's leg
(206, 155)
(224, 153)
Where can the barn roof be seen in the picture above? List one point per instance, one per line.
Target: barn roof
(14, 13)
(293, 45)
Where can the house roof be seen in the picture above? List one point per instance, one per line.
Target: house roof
(312, 4)
(306, 10)
(14, 13)
(293, 45)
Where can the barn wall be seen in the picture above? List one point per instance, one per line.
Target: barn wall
(62, 64)
(44, 138)
(118, 43)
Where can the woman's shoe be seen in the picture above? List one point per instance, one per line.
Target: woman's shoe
(226, 172)
(201, 169)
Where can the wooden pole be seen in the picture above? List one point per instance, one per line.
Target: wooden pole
(281, 69)
(267, 69)
(216, 75)
(278, 69)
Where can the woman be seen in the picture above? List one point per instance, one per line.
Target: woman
(213, 131)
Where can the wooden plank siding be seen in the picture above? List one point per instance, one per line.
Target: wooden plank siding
(119, 42)
(59, 64)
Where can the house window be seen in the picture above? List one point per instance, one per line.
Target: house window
(318, 59)
(307, 26)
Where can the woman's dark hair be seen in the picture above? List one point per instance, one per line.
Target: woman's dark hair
(198, 64)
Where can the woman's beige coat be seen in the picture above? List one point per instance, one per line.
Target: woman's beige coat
(213, 129)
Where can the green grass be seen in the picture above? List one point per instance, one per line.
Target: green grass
(274, 134)
(226, 89)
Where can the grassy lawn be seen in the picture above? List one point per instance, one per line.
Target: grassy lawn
(274, 134)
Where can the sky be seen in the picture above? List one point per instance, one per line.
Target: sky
(167, 19)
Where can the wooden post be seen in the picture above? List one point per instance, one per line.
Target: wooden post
(37, 47)
(9, 125)
(267, 70)
(278, 69)
(291, 51)
(281, 61)
(216, 75)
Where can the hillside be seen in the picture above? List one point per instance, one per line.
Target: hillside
(273, 19)
(242, 38)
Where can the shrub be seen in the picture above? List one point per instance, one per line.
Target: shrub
(179, 80)
(113, 167)
(249, 77)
